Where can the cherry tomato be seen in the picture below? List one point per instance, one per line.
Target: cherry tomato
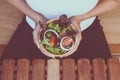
(52, 40)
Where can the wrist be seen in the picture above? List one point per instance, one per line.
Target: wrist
(83, 16)
(37, 17)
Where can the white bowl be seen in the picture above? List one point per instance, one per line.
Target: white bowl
(50, 30)
(63, 48)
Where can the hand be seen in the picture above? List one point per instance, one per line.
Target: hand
(36, 35)
(38, 17)
(75, 21)
(40, 22)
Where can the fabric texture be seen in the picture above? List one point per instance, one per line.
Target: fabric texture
(93, 44)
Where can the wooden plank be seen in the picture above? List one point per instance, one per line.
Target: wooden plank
(114, 69)
(84, 69)
(9, 21)
(68, 66)
(38, 69)
(2, 47)
(8, 67)
(111, 25)
(114, 48)
(99, 69)
(23, 69)
(0, 68)
(53, 69)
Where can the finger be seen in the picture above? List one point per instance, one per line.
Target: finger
(42, 24)
(35, 39)
(37, 43)
(38, 26)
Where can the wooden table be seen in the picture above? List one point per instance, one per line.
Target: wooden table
(54, 69)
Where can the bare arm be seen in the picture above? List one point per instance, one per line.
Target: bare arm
(102, 7)
(35, 16)
(24, 8)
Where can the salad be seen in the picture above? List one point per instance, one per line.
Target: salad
(58, 36)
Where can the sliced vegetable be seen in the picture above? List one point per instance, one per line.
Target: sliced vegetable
(52, 40)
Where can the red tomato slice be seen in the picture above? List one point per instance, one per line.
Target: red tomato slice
(52, 40)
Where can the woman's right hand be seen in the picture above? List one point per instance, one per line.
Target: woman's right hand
(39, 18)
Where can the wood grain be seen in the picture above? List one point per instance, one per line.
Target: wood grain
(99, 69)
(2, 48)
(68, 67)
(115, 49)
(111, 25)
(23, 66)
(8, 69)
(114, 69)
(38, 69)
(53, 69)
(10, 17)
(84, 69)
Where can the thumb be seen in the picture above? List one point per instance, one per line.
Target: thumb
(36, 41)
(37, 44)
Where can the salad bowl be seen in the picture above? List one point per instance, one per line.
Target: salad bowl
(59, 38)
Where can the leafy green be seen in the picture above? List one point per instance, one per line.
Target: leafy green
(48, 34)
(42, 42)
(55, 27)
(50, 25)
(54, 50)
(51, 48)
